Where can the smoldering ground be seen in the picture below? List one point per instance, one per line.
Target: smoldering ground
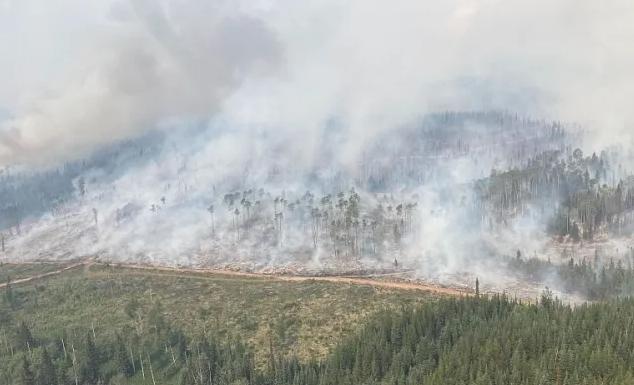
(287, 97)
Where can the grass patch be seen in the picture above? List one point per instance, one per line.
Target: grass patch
(302, 318)
(17, 271)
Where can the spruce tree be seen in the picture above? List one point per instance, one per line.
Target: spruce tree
(9, 297)
(46, 375)
(123, 359)
(26, 375)
(24, 337)
(90, 369)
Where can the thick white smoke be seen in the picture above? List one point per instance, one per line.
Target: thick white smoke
(78, 74)
(135, 66)
(287, 87)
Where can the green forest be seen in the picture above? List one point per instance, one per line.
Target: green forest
(468, 340)
(591, 280)
(578, 194)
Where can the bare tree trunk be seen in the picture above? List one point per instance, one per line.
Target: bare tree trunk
(132, 359)
(151, 370)
(142, 368)
(173, 358)
(75, 365)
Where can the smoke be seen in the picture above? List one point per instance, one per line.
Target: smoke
(288, 96)
(141, 64)
(79, 74)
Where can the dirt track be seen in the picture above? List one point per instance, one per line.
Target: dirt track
(44, 275)
(397, 285)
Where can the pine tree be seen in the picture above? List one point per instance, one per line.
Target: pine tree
(9, 297)
(46, 374)
(24, 337)
(187, 377)
(26, 375)
(123, 359)
(90, 369)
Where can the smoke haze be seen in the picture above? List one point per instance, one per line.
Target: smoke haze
(158, 110)
(77, 75)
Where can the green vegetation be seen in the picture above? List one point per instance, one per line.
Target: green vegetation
(302, 319)
(575, 191)
(143, 338)
(485, 341)
(594, 281)
(13, 271)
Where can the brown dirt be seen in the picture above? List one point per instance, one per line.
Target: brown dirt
(44, 275)
(393, 284)
(184, 272)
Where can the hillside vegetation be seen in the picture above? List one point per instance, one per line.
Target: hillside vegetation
(302, 319)
(105, 325)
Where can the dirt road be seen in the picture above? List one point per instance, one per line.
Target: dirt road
(44, 275)
(392, 284)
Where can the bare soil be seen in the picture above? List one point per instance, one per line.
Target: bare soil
(378, 281)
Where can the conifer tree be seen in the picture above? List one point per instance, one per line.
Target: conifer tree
(123, 359)
(46, 374)
(24, 337)
(90, 368)
(26, 374)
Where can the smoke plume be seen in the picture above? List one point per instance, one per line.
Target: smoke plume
(77, 75)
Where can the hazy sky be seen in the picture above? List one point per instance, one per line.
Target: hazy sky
(75, 74)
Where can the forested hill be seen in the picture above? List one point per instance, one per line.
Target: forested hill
(412, 155)
(581, 197)
(28, 193)
(487, 341)
(480, 340)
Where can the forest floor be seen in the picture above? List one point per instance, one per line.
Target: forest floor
(304, 316)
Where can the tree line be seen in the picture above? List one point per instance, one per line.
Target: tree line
(594, 280)
(491, 340)
(577, 193)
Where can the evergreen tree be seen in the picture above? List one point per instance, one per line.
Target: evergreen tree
(123, 359)
(90, 368)
(24, 338)
(26, 374)
(46, 374)
(9, 297)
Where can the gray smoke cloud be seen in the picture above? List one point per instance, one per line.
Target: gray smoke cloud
(80, 74)
(258, 94)
(142, 63)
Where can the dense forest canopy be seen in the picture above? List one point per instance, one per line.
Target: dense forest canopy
(479, 340)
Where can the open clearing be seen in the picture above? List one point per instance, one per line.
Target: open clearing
(34, 271)
(305, 316)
